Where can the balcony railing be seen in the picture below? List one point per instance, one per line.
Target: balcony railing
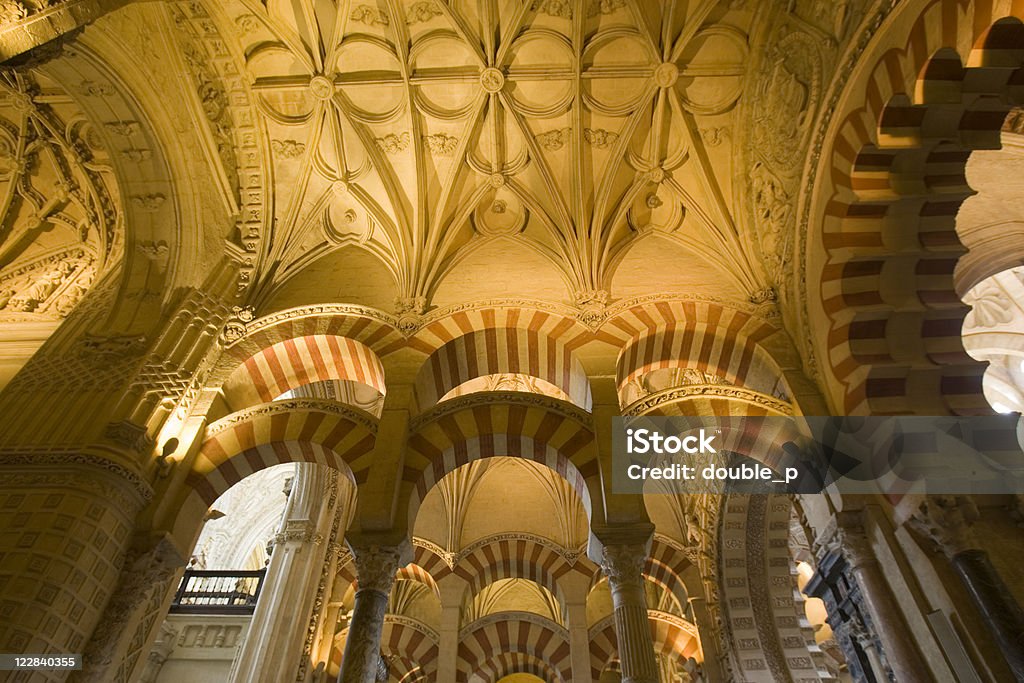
(218, 592)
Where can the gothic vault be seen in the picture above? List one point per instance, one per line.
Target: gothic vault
(315, 315)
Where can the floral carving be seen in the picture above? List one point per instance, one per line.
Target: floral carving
(554, 140)
(554, 8)
(421, 11)
(393, 143)
(599, 138)
(370, 16)
(441, 144)
(288, 149)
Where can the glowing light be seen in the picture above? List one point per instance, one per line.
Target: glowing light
(1000, 408)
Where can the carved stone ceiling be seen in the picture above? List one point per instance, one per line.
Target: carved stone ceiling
(421, 129)
(59, 204)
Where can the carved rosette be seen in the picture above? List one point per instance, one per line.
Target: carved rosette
(376, 567)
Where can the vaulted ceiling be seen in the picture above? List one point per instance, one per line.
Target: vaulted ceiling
(423, 130)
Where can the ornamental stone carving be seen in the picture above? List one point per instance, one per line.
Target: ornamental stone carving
(623, 564)
(376, 567)
(947, 522)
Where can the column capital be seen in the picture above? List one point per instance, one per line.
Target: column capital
(624, 564)
(376, 565)
(948, 522)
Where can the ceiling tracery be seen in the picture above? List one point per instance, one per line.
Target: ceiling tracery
(421, 130)
(60, 216)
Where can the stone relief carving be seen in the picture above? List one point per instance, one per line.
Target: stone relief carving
(787, 98)
(371, 16)
(772, 212)
(554, 140)
(947, 522)
(440, 144)
(422, 11)
(554, 8)
(592, 306)
(599, 138)
(393, 143)
(289, 149)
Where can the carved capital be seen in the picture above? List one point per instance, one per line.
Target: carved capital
(376, 567)
(947, 521)
(624, 564)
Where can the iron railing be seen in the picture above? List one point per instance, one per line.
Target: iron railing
(218, 592)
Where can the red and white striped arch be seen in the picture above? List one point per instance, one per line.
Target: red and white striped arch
(365, 325)
(299, 361)
(716, 340)
(414, 572)
(303, 430)
(884, 223)
(672, 636)
(538, 353)
(519, 558)
(542, 429)
(485, 647)
(411, 650)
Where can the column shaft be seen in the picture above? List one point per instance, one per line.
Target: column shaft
(623, 565)
(375, 571)
(891, 628)
(1002, 613)
(273, 647)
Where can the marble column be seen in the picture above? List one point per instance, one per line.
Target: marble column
(273, 647)
(623, 565)
(947, 520)
(890, 627)
(376, 566)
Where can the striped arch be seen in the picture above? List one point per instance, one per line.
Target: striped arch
(410, 650)
(507, 663)
(485, 644)
(365, 325)
(672, 636)
(299, 430)
(713, 339)
(414, 572)
(604, 648)
(295, 362)
(427, 556)
(550, 432)
(521, 558)
(495, 351)
(665, 567)
(884, 218)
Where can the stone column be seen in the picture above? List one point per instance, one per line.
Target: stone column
(145, 581)
(273, 647)
(575, 587)
(712, 667)
(376, 566)
(452, 588)
(623, 564)
(901, 653)
(947, 520)
(70, 519)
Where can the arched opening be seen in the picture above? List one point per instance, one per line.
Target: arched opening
(508, 352)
